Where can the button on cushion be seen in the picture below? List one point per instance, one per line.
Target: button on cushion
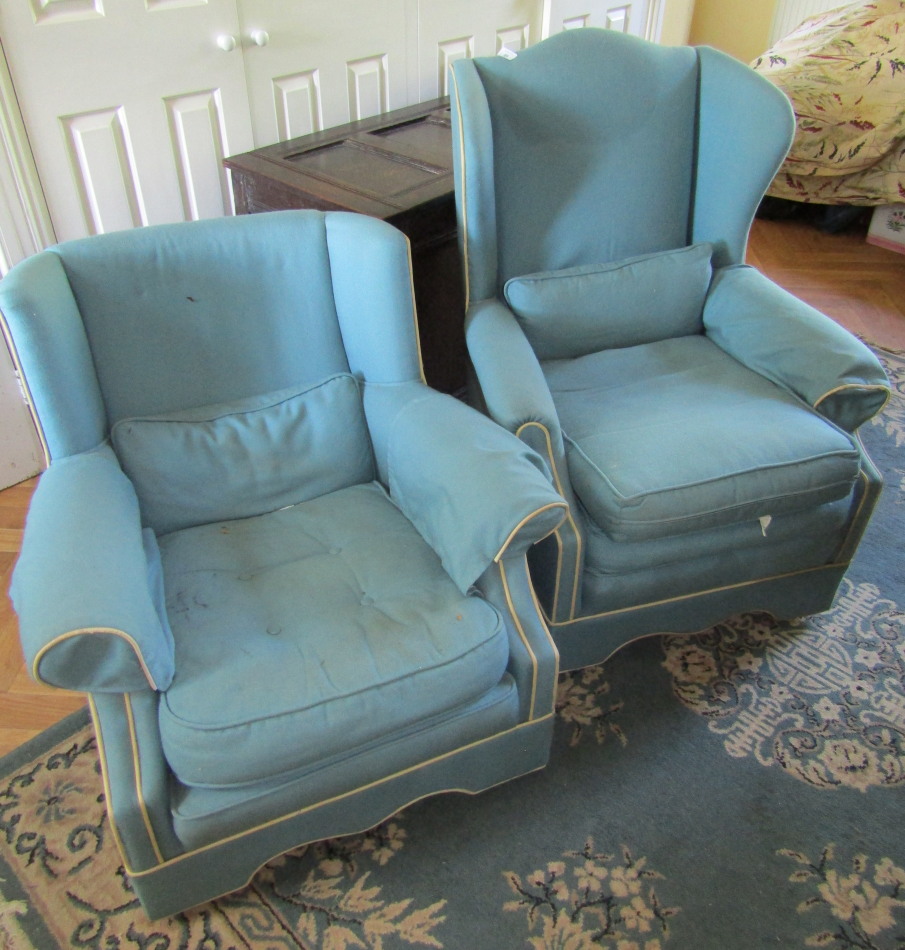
(345, 629)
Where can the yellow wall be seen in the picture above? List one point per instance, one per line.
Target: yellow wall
(676, 22)
(738, 27)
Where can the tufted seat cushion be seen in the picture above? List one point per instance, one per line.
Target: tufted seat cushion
(317, 628)
(677, 436)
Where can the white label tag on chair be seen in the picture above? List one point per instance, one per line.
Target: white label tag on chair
(507, 53)
(765, 523)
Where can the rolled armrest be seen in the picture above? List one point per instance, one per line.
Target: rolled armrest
(87, 580)
(512, 381)
(779, 336)
(474, 491)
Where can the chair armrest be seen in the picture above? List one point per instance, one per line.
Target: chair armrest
(512, 381)
(86, 582)
(137, 777)
(779, 336)
(474, 491)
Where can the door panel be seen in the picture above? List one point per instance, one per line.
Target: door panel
(609, 14)
(451, 31)
(130, 106)
(323, 63)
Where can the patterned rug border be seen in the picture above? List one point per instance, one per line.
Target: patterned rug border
(40, 744)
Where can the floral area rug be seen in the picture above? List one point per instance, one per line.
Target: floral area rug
(740, 789)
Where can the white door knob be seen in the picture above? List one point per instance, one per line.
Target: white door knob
(226, 42)
(259, 37)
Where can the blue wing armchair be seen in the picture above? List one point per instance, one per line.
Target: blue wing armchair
(700, 421)
(291, 578)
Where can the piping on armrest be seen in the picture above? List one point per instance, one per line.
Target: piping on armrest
(88, 587)
(779, 336)
(475, 492)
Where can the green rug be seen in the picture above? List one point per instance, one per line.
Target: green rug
(736, 790)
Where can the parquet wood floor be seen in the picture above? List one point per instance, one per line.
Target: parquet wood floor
(861, 286)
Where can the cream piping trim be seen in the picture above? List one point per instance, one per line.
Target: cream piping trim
(463, 188)
(408, 245)
(105, 778)
(873, 387)
(699, 593)
(845, 551)
(524, 639)
(540, 616)
(408, 804)
(87, 631)
(139, 794)
(557, 534)
(525, 520)
(578, 539)
(337, 798)
(29, 401)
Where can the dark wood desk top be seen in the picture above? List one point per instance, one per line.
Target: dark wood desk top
(385, 166)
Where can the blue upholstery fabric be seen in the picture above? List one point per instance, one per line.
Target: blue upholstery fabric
(820, 530)
(345, 613)
(235, 460)
(744, 131)
(102, 629)
(676, 436)
(174, 298)
(643, 98)
(698, 421)
(202, 815)
(60, 382)
(766, 328)
(376, 316)
(236, 548)
(583, 309)
(474, 519)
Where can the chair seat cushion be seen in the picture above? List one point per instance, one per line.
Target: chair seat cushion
(677, 436)
(312, 631)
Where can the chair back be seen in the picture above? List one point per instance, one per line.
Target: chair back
(590, 146)
(177, 317)
(172, 317)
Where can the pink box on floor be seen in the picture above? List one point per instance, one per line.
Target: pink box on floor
(887, 227)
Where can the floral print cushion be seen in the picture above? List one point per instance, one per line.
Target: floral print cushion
(844, 72)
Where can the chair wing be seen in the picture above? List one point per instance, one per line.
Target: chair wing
(698, 420)
(292, 579)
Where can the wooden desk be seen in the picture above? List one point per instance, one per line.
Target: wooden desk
(398, 167)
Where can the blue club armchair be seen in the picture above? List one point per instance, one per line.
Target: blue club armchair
(699, 420)
(291, 578)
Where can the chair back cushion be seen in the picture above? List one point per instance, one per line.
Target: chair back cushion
(594, 145)
(581, 310)
(235, 460)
